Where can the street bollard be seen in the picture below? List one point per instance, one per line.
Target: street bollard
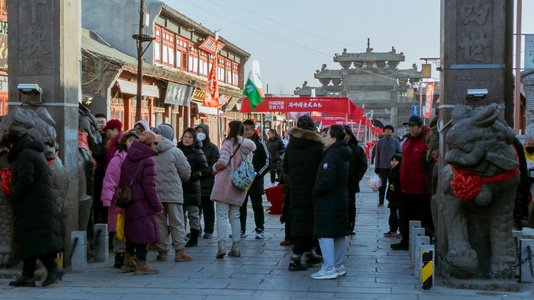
(526, 269)
(416, 232)
(421, 242)
(413, 224)
(102, 245)
(79, 253)
(517, 234)
(426, 267)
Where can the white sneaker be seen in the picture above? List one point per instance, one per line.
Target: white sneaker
(322, 274)
(260, 234)
(341, 271)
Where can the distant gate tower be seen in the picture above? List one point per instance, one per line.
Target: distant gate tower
(371, 78)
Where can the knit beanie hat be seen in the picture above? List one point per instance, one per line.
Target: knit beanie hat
(165, 130)
(306, 122)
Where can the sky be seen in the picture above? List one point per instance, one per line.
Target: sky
(293, 38)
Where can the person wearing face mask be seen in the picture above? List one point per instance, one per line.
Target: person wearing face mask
(211, 151)
(192, 148)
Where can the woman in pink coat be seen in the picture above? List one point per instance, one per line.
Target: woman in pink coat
(110, 187)
(228, 198)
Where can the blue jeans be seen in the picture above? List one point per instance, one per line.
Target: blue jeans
(334, 250)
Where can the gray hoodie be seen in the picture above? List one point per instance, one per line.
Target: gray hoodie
(172, 169)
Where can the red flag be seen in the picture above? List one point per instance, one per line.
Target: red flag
(211, 97)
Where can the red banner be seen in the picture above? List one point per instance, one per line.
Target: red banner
(331, 105)
(429, 99)
(211, 98)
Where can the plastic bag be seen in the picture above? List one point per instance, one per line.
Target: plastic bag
(120, 227)
(375, 183)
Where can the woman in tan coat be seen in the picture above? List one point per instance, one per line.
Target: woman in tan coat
(228, 198)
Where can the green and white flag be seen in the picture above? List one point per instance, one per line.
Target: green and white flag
(252, 93)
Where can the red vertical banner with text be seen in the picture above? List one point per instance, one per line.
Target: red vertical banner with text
(429, 99)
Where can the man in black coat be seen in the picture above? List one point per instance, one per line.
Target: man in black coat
(301, 162)
(37, 228)
(260, 161)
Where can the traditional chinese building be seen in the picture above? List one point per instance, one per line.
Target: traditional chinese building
(3, 57)
(371, 80)
(175, 69)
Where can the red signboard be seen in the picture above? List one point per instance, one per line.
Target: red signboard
(332, 105)
(209, 45)
(429, 99)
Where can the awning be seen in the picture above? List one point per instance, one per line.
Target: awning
(231, 104)
(128, 87)
(178, 94)
(206, 110)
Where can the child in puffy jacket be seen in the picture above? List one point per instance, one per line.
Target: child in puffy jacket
(394, 196)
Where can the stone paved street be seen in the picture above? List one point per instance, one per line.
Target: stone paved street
(374, 271)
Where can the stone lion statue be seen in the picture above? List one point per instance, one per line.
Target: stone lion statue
(478, 192)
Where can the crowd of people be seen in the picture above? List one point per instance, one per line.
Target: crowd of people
(177, 183)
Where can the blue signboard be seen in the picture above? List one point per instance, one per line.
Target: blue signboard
(415, 110)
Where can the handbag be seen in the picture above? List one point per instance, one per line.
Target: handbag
(243, 177)
(120, 227)
(124, 196)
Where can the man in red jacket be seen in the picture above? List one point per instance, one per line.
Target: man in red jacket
(416, 179)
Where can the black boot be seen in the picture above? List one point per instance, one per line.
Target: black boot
(23, 281)
(53, 275)
(119, 260)
(194, 238)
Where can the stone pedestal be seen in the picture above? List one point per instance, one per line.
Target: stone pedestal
(44, 49)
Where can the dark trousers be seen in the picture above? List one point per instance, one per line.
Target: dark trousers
(28, 268)
(139, 250)
(208, 213)
(257, 207)
(383, 174)
(394, 218)
(416, 207)
(352, 207)
(273, 175)
(302, 245)
(287, 230)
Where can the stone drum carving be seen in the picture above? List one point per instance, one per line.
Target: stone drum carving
(477, 201)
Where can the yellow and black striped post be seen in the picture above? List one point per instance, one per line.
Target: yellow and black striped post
(427, 269)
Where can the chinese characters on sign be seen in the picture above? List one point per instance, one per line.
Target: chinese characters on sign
(529, 51)
(276, 105)
(305, 105)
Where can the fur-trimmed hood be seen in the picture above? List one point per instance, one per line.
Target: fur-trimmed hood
(305, 134)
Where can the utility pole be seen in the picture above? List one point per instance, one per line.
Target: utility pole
(141, 38)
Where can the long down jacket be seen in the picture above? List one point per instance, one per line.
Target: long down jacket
(110, 187)
(301, 161)
(223, 189)
(199, 165)
(211, 151)
(330, 198)
(172, 169)
(37, 228)
(141, 224)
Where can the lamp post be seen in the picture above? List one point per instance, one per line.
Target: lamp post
(141, 38)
